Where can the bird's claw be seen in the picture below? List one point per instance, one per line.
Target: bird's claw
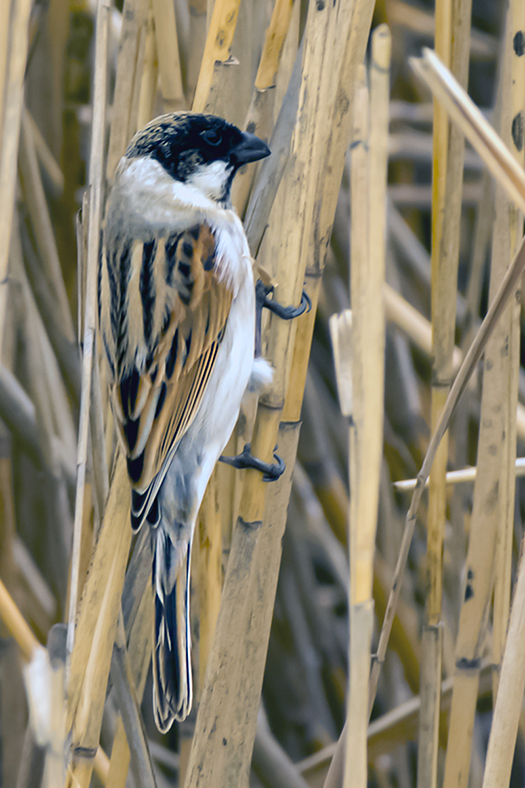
(284, 312)
(271, 471)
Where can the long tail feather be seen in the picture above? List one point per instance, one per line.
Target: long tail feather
(172, 686)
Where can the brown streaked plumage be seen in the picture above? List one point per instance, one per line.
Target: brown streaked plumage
(176, 279)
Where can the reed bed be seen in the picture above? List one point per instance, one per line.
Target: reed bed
(349, 628)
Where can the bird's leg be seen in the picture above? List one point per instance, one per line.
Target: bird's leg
(261, 294)
(262, 300)
(271, 471)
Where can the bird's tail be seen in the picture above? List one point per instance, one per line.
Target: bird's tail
(172, 685)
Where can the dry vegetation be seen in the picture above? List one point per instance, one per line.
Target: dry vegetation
(371, 199)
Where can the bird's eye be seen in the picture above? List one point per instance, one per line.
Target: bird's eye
(212, 137)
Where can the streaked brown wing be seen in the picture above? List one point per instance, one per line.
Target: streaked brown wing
(155, 407)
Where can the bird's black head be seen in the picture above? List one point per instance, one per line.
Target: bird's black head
(201, 150)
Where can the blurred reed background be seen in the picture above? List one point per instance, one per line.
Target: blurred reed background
(371, 187)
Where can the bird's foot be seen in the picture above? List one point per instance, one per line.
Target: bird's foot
(271, 471)
(262, 292)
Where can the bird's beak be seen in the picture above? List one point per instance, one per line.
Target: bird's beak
(250, 148)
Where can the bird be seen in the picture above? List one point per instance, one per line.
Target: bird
(177, 325)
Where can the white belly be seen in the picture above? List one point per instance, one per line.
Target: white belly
(198, 451)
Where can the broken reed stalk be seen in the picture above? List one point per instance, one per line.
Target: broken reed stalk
(493, 509)
(238, 684)
(96, 181)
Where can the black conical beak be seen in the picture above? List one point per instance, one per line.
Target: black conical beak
(250, 148)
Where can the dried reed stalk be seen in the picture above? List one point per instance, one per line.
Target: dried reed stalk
(45, 156)
(11, 102)
(483, 138)
(28, 644)
(168, 55)
(242, 607)
(500, 161)
(506, 716)
(463, 476)
(46, 389)
(96, 176)
(232, 628)
(360, 607)
(259, 119)
(129, 706)
(210, 94)
(209, 554)
(511, 370)
(139, 650)
(368, 270)
(217, 49)
(128, 82)
(446, 202)
(412, 323)
(387, 732)
(16, 624)
(361, 387)
(419, 331)
(5, 12)
(95, 632)
(150, 75)
(41, 221)
(493, 508)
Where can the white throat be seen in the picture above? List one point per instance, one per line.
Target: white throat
(211, 179)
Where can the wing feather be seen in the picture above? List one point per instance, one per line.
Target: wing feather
(161, 366)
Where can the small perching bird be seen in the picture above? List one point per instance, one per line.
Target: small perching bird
(177, 321)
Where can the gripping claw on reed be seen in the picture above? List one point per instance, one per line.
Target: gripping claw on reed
(284, 312)
(262, 292)
(271, 471)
